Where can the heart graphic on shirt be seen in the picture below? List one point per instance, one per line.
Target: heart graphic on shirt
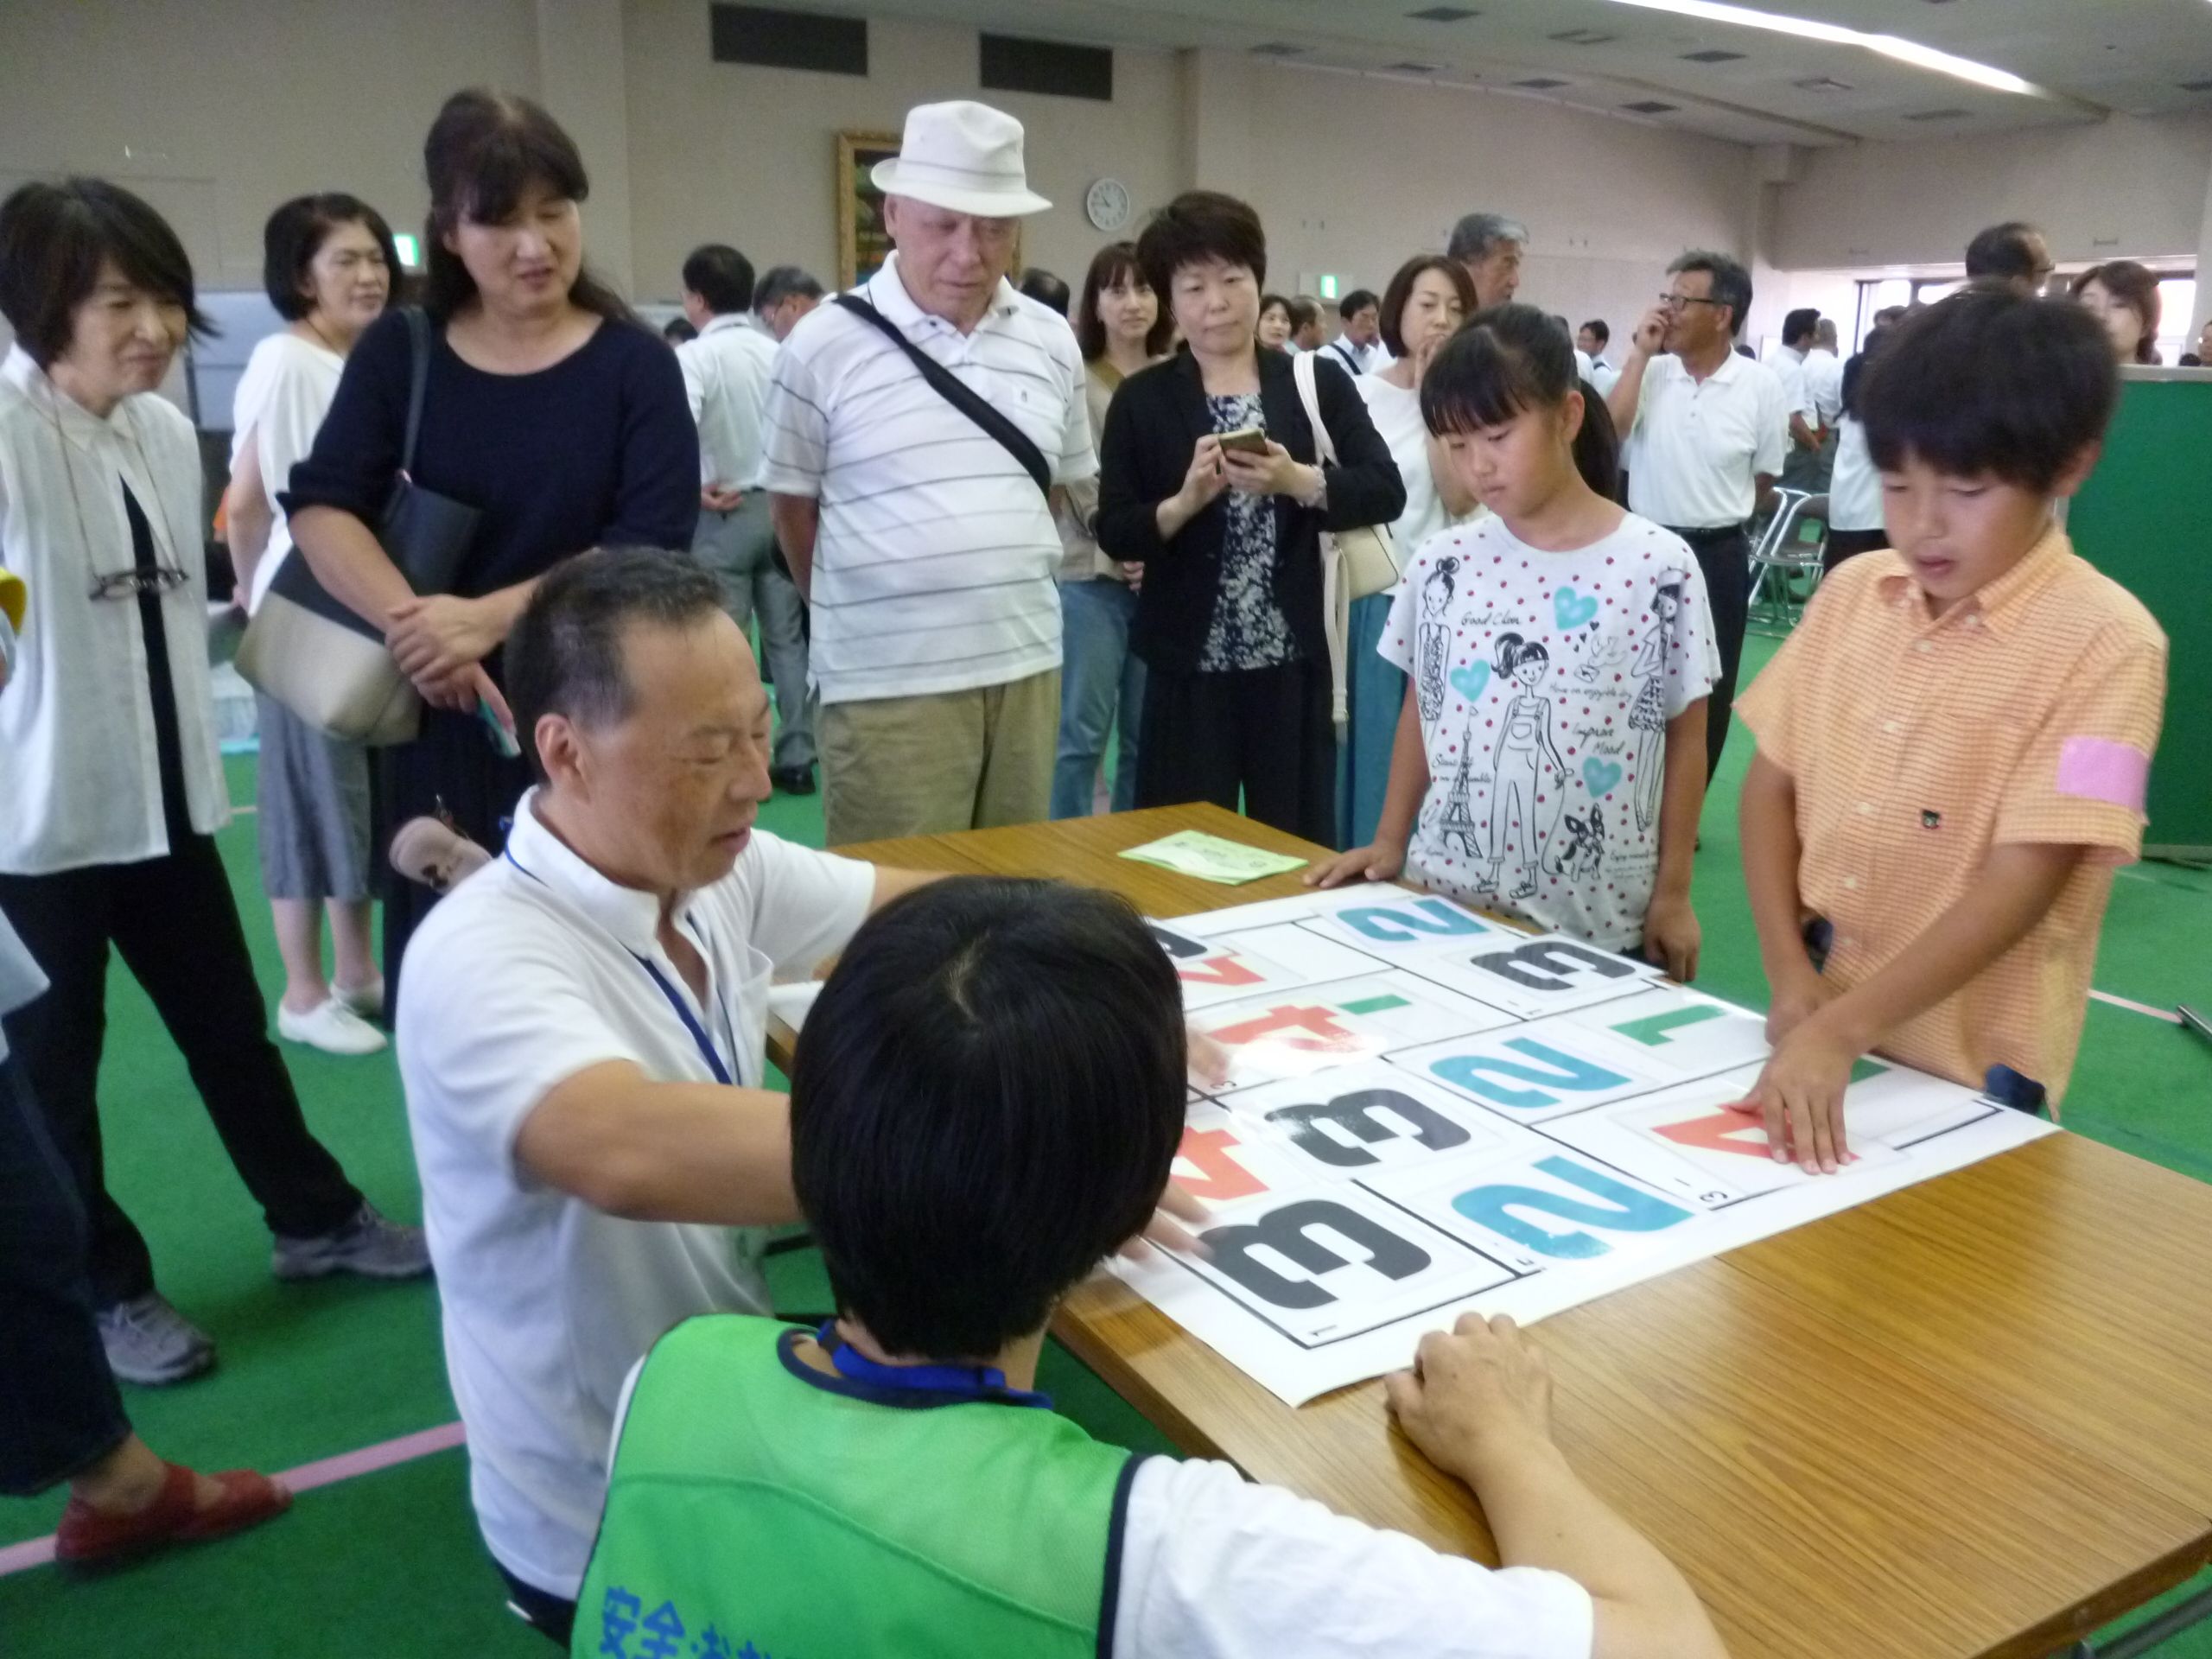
(1572, 609)
(1469, 682)
(1601, 776)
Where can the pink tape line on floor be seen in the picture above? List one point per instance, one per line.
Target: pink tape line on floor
(325, 1472)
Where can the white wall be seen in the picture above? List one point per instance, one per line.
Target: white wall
(2123, 187)
(726, 152)
(217, 109)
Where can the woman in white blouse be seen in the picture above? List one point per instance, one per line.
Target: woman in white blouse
(1423, 306)
(329, 266)
(111, 786)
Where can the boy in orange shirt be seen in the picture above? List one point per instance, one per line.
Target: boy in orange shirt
(1953, 745)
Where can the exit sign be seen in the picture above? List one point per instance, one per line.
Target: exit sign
(1328, 287)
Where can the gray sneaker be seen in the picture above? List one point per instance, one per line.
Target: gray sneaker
(368, 1245)
(150, 1343)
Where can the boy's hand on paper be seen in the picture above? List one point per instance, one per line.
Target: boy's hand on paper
(1478, 1390)
(1374, 862)
(1800, 1095)
(1209, 1060)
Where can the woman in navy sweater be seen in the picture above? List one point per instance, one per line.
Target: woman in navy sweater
(547, 408)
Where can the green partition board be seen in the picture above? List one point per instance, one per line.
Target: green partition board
(2145, 518)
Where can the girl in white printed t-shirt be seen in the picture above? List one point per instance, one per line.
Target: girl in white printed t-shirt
(1550, 756)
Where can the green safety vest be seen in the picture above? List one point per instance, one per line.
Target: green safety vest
(761, 1509)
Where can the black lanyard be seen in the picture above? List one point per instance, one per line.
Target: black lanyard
(707, 1050)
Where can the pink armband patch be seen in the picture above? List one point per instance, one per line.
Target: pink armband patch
(2098, 769)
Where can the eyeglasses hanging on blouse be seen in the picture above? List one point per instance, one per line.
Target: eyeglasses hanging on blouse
(136, 584)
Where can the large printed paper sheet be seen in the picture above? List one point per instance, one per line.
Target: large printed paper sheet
(1428, 1115)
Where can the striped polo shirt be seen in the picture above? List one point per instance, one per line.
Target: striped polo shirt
(2027, 713)
(935, 562)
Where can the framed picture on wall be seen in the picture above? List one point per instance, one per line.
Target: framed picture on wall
(861, 241)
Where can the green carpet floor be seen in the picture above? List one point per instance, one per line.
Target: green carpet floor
(388, 1566)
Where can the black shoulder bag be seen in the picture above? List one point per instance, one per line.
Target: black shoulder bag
(949, 386)
(318, 656)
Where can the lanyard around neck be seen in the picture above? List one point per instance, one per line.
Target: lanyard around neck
(707, 1050)
(965, 1382)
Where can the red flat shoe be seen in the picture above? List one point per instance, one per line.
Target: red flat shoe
(87, 1535)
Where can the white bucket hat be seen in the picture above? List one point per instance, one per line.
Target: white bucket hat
(962, 155)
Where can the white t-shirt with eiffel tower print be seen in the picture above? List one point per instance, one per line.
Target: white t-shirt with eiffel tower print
(1545, 682)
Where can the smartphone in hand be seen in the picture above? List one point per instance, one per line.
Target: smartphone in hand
(1247, 439)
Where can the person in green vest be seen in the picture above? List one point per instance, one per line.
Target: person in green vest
(986, 1101)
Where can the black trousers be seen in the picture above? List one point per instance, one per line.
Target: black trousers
(1724, 555)
(60, 1412)
(1849, 544)
(1263, 733)
(176, 924)
(452, 767)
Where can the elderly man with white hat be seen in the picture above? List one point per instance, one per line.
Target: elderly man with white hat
(919, 428)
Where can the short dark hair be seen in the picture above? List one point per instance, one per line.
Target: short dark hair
(1109, 267)
(564, 656)
(54, 238)
(1357, 301)
(1990, 384)
(1889, 315)
(678, 331)
(482, 152)
(1304, 312)
(1401, 289)
(1732, 284)
(1275, 301)
(1476, 234)
(780, 283)
(2002, 251)
(721, 276)
(1801, 324)
(1597, 326)
(1505, 360)
(1200, 224)
(1042, 286)
(296, 233)
(986, 1103)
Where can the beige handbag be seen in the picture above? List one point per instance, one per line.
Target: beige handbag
(1356, 563)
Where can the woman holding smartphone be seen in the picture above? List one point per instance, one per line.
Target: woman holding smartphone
(1208, 477)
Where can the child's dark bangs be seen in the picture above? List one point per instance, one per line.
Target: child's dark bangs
(1477, 382)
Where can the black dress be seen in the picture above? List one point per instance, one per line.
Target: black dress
(598, 449)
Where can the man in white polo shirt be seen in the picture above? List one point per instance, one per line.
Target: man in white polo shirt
(1800, 466)
(1709, 429)
(916, 512)
(726, 373)
(581, 1038)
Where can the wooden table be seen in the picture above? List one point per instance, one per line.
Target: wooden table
(1971, 1418)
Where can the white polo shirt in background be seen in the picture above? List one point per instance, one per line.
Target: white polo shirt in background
(1699, 445)
(1855, 490)
(726, 374)
(531, 971)
(1824, 379)
(1788, 366)
(935, 560)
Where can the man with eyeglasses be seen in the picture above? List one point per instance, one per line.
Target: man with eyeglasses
(2015, 253)
(1710, 430)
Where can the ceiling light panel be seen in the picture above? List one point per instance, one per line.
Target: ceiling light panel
(1894, 46)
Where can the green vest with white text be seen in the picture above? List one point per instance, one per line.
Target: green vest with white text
(760, 1510)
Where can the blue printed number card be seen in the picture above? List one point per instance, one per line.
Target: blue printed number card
(1427, 1113)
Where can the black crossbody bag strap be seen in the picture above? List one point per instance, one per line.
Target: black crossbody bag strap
(949, 386)
(419, 380)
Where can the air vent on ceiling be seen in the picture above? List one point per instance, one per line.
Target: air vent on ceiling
(1937, 115)
(2196, 85)
(1541, 83)
(1010, 64)
(1411, 68)
(775, 39)
(1822, 84)
(1711, 55)
(1277, 49)
(1583, 37)
(1443, 14)
(1651, 106)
